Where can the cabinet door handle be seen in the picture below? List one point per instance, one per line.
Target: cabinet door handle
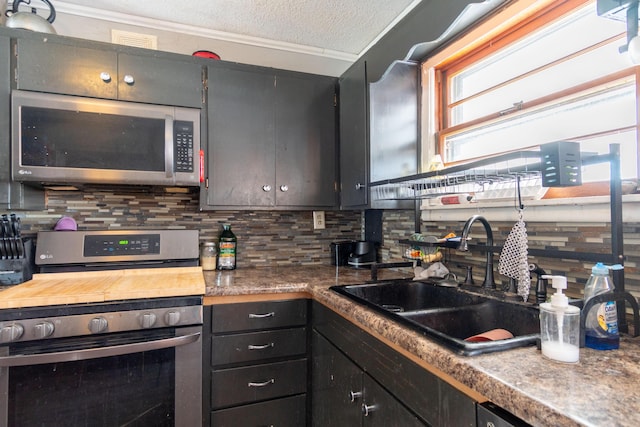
(260, 347)
(284, 188)
(128, 79)
(266, 188)
(367, 409)
(360, 186)
(264, 384)
(353, 395)
(105, 77)
(261, 316)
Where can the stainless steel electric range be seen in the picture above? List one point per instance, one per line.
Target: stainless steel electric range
(134, 362)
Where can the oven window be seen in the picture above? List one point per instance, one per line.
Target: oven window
(133, 390)
(76, 139)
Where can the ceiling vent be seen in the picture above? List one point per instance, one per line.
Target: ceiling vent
(127, 38)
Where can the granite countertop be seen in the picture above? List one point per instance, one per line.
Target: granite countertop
(601, 389)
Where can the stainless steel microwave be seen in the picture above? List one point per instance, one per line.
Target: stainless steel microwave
(70, 139)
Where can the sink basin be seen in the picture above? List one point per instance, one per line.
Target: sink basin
(449, 315)
(401, 296)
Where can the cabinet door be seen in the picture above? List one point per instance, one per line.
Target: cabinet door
(305, 140)
(354, 154)
(336, 382)
(241, 154)
(58, 68)
(159, 81)
(381, 409)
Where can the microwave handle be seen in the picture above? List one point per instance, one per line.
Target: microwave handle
(169, 145)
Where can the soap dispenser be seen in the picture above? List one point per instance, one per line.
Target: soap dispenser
(560, 325)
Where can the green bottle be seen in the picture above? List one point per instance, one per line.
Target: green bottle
(227, 249)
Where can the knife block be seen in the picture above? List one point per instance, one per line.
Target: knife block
(18, 270)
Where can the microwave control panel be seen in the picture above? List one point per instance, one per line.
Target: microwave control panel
(183, 145)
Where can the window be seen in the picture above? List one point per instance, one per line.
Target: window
(557, 74)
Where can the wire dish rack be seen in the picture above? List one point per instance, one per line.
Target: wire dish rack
(496, 175)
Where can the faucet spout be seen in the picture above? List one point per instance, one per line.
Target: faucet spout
(463, 246)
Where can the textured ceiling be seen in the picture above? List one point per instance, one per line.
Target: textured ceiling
(341, 26)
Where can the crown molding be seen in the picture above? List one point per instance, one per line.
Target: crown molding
(155, 24)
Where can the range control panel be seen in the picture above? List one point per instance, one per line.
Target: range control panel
(121, 244)
(67, 248)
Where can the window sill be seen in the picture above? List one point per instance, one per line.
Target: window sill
(574, 210)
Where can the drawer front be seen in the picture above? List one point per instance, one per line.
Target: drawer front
(289, 411)
(253, 383)
(254, 346)
(258, 315)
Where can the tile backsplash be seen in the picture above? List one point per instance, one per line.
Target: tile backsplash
(265, 238)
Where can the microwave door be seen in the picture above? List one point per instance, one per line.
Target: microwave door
(65, 139)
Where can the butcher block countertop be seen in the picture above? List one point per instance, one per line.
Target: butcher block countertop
(100, 286)
(600, 390)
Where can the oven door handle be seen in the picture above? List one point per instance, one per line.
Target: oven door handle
(99, 352)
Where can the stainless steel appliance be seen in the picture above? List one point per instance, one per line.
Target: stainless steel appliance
(70, 139)
(128, 362)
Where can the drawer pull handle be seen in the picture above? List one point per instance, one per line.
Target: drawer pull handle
(260, 347)
(368, 409)
(264, 384)
(261, 316)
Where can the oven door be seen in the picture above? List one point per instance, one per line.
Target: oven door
(148, 378)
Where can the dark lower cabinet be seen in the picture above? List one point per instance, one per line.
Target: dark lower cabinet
(394, 390)
(289, 411)
(255, 364)
(343, 395)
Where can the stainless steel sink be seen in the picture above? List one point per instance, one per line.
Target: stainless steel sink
(449, 315)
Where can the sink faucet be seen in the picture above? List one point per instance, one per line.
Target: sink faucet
(488, 275)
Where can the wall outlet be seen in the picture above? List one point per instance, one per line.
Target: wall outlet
(318, 220)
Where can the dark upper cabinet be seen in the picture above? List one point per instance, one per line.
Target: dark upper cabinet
(271, 139)
(100, 72)
(305, 117)
(13, 195)
(354, 158)
(240, 154)
(390, 155)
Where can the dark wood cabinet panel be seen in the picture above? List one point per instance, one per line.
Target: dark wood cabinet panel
(429, 397)
(272, 140)
(381, 409)
(289, 411)
(343, 394)
(354, 151)
(13, 195)
(66, 69)
(159, 81)
(255, 383)
(305, 140)
(255, 346)
(336, 386)
(98, 72)
(241, 158)
(258, 315)
(255, 358)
